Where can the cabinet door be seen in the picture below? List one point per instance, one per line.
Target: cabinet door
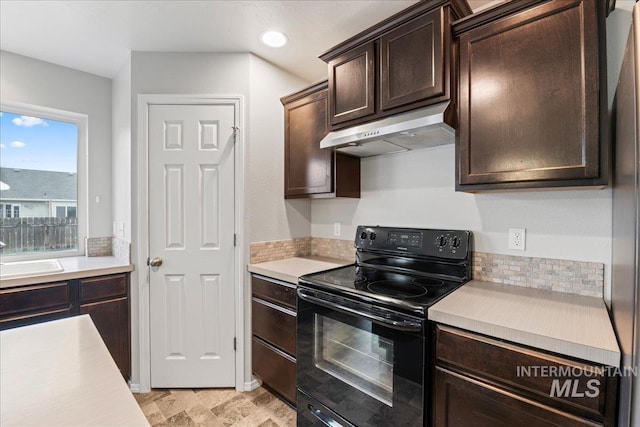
(308, 169)
(462, 401)
(111, 318)
(352, 85)
(532, 98)
(412, 61)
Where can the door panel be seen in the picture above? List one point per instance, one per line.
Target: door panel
(191, 220)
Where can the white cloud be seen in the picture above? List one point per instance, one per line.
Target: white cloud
(28, 121)
(3, 146)
(18, 144)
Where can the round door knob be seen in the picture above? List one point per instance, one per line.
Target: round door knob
(155, 262)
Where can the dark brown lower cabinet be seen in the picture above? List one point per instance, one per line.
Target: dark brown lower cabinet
(274, 335)
(104, 298)
(112, 321)
(27, 305)
(275, 368)
(482, 381)
(463, 401)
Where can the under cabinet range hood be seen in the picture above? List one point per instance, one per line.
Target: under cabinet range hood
(412, 130)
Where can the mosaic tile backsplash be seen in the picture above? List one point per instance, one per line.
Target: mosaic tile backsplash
(573, 277)
(280, 249)
(99, 246)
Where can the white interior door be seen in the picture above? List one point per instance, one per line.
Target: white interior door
(191, 230)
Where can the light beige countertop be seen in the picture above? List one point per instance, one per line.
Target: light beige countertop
(74, 268)
(571, 325)
(60, 373)
(290, 269)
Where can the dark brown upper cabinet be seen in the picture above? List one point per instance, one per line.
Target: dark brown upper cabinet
(310, 171)
(532, 96)
(352, 75)
(411, 62)
(400, 64)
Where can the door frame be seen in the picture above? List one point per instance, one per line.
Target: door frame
(140, 279)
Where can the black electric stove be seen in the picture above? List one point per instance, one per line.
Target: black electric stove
(407, 269)
(362, 333)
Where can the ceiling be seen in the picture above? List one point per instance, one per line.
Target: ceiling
(98, 36)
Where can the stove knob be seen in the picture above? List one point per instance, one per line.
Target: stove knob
(456, 242)
(363, 235)
(441, 241)
(372, 236)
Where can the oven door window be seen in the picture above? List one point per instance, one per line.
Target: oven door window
(367, 373)
(357, 357)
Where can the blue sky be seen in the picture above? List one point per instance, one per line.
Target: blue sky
(33, 143)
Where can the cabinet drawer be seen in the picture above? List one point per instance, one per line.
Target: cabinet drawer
(103, 287)
(34, 298)
(461, 401)
(276, 369)
(25, 319)
(274, 324)
(533, 373)
(274, 292)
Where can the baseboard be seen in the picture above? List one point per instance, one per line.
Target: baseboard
(135, 388)
(251, 385)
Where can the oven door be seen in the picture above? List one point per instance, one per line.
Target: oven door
(363, 363)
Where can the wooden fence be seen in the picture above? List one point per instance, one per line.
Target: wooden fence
(23, 235)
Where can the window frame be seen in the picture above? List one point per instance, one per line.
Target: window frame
(82, 175)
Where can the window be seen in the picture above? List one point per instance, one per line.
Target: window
(65, 211)
(42, 181)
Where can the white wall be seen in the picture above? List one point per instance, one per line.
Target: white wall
(121, 151)
(270, 216)
(416, 189)
(35, 82)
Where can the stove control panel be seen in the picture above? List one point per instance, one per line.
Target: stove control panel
(451, 244)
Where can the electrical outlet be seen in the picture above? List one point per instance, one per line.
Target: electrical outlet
(337, 229)
(517, 238)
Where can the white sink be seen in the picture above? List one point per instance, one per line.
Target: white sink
(29, 268)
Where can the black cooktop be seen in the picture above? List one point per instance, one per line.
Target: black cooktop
(407, 269)
(410, 293)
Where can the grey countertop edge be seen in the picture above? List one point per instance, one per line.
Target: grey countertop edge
(489, 324)
(273, 270)
(74, 268)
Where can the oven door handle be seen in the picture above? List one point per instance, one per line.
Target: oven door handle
(400, 325)
(324, 418)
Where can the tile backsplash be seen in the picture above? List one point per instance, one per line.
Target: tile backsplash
(280, 249)
(98, 246)
(333, 248)
(304, 246)
(573, 277)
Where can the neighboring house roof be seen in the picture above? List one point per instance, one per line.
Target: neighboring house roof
(29, 184)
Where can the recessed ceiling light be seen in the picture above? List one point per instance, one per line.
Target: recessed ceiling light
(273, 38)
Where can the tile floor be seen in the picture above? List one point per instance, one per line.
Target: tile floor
(215, 408)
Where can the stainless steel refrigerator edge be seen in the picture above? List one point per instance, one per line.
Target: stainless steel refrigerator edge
(625, 298)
